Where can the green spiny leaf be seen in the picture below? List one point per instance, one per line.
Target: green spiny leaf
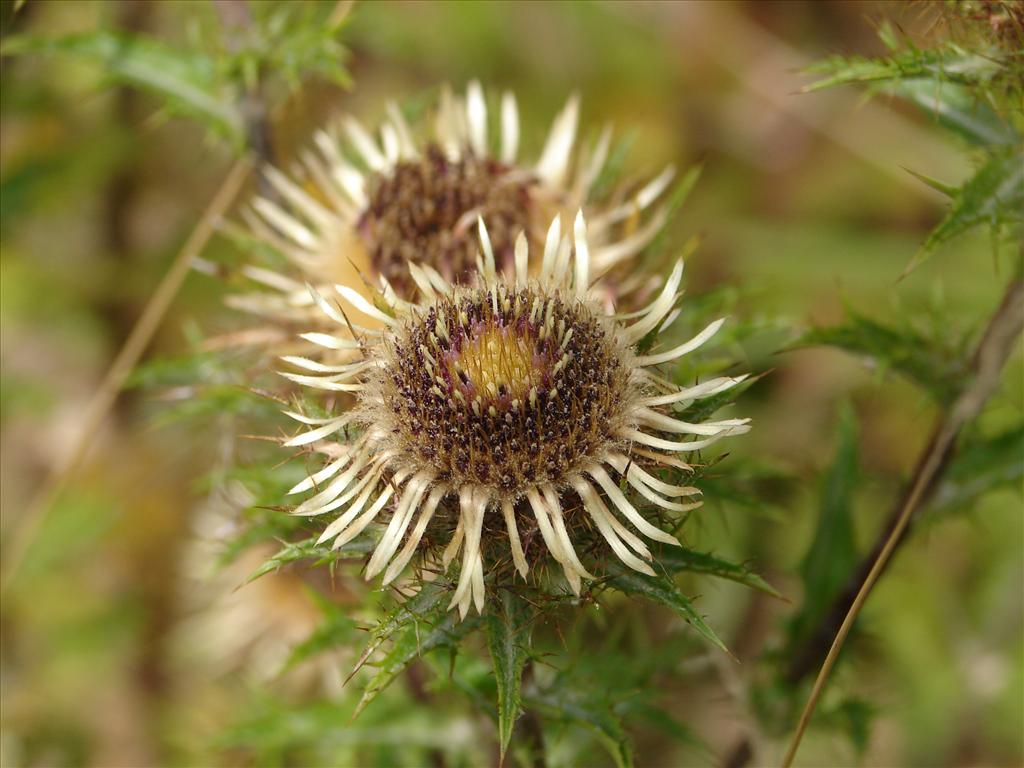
(933, 364)
(956, 108)
(993, 196)
(676, 560)
(309, 550)
(292, 41)
(957, 86)
(413, 610)
(662, 589)
(950, 64)
(947, 189)
(443, 629)
(508, 640)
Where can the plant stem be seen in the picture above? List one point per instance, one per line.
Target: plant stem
(236, 19)
(414, 678)
(534, 735)
(1000, 337)
(530, 726)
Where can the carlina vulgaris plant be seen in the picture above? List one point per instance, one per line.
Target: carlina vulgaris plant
(364, 202)
(360, 204)
(509, 406)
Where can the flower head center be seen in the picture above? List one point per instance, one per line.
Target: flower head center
(499, 364)
(424, 211)
(505, 388)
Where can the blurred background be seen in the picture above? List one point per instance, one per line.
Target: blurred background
(806, 210)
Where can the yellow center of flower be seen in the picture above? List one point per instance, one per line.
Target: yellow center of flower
(497, 363)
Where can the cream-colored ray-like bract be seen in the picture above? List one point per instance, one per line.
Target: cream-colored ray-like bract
(374, 475)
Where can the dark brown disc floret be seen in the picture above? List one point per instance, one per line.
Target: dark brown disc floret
(424, 211)
(505, 388)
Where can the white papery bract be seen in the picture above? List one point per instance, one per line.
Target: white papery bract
(516, 404)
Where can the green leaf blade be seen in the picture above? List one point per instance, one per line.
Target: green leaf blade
(993, 196)
(931, 362)
(955, 108)
(508, 640)
(832, 555)
(982, 465)
(309, 550)
(677, 560)
(442, 631)
(661, 589)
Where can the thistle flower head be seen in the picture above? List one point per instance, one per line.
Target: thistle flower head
(516, 399)
(369, 203)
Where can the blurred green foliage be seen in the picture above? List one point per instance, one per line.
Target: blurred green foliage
(185, 81)
(973, 88)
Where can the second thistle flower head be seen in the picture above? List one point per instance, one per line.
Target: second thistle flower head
(371, 200)
(512, 407)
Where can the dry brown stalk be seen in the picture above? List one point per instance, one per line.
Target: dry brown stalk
(127, 358)
(996, 345)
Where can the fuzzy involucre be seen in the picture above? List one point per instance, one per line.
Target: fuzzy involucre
(521, 398)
